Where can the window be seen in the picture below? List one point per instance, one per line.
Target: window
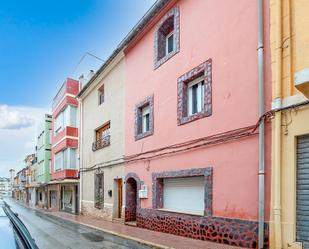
(59, 123)
(68, 117)
(144, 118)
(166, 37)
(185, 195)
(59, 161)
(102, 137)
(65, 159)
(184, 191)
(72, 158)
(99, 190)
(72, 122)
(194, 94)
(169, 43)
(101, 95)
(50, 137)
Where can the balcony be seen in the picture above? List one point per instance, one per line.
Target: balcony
(301, 81)
(69, 86)
(64, 174)
(67, 131)
(103, 142)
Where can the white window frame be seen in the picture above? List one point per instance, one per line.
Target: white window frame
(58, 167)
(166, 42)
(72, 164)
(67, 161)
(59, 123)
(68, 118)
(200, 95)
(145, 111)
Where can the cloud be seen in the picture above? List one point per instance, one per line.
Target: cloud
(29, 145)
(16, 144)
(13, 119)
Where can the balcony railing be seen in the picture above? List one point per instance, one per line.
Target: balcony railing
(103, 142)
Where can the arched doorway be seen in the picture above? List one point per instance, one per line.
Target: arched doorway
(131, 200)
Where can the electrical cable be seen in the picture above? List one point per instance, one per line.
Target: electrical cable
(195, 143)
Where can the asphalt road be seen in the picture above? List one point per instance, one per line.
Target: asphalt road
(53, 233)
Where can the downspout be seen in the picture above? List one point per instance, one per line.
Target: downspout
(277, 127)
(80, 155)
(260, 51)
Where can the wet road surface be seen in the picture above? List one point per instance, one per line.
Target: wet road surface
(52, 232)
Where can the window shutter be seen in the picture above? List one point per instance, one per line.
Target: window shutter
(184, 194)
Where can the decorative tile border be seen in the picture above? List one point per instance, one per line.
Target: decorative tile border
(157, 185)
(234, 232)
(229, 231)
(204, 69)
(174, 12)
(138, 117)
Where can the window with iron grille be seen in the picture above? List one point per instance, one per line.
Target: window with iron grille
(99, 190)
(102, 137)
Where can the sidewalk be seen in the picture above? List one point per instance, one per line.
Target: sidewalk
(144, 236)
(147, 237)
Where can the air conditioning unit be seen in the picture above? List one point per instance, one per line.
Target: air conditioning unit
(301, 81)
(143, 192)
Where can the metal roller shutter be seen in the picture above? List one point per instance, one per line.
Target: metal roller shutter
(302, 191)
(185, 195)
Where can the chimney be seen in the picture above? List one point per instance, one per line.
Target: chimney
(81, 80)
(90, 74)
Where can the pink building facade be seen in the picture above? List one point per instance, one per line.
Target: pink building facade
(190, 143)
(63, 188)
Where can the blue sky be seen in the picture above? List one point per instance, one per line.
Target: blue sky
(41, 43)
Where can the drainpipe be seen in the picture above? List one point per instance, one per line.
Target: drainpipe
(80, 155)
(277, 128)
(260, 51)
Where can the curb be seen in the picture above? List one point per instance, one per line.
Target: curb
(140, 241)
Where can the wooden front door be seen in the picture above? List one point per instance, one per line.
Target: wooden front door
(119, 197)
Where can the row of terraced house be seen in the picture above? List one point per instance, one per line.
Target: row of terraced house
(196, 125)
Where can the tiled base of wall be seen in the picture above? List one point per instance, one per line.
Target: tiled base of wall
(130, 215)
(106, 213)
(236, 232)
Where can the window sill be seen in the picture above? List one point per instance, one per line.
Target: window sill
(143, 135)
(191, 118)
(181, 212)
(158, 63)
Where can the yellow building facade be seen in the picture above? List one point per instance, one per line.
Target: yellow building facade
(289, 38)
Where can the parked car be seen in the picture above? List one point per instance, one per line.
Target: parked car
(14, 234)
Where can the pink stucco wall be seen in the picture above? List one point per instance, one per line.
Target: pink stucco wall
(226, 32)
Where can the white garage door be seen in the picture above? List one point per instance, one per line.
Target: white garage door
(185, 195)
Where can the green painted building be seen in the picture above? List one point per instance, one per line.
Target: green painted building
(43, 159)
